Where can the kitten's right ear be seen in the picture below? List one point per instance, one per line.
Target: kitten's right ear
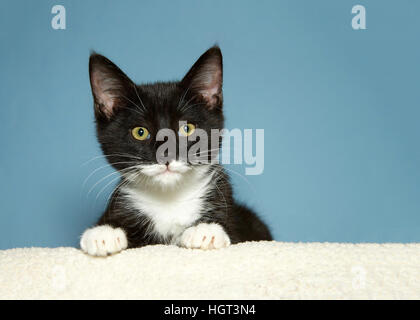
(109, 85)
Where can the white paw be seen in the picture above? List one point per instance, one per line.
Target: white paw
(103, 240)
(205, 236)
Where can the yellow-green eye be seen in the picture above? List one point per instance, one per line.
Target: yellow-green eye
(187, 129)
(140, 133)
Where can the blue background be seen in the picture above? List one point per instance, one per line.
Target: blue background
(340, 109)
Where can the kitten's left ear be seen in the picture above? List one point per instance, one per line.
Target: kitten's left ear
(205, 78)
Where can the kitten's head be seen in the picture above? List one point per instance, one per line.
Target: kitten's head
(132, 119)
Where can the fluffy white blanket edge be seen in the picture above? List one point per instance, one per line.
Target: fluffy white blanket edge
(252, 270)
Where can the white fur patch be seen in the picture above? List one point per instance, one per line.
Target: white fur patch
(175, 207)
(103, 240)
(205, 236)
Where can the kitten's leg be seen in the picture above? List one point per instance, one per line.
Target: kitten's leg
(205, 236)
(103, 240)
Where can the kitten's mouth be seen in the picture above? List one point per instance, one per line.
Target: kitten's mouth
(166, 174)
(168, 171)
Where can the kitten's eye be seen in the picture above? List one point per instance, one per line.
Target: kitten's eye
(187, 129)
(140, 133)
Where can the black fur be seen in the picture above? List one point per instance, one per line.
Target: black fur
(125, 105)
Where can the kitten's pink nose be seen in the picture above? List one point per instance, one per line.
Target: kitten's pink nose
(167, 167)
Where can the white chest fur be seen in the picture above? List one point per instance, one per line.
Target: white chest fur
(174, 209)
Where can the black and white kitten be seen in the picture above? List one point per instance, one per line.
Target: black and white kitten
(165, 201)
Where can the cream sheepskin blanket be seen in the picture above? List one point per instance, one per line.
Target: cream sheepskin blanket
(253, 270)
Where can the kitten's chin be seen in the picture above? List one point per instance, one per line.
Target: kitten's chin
(168, 179)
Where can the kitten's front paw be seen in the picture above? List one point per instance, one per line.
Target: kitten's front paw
(205, 236)
(103, 240)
